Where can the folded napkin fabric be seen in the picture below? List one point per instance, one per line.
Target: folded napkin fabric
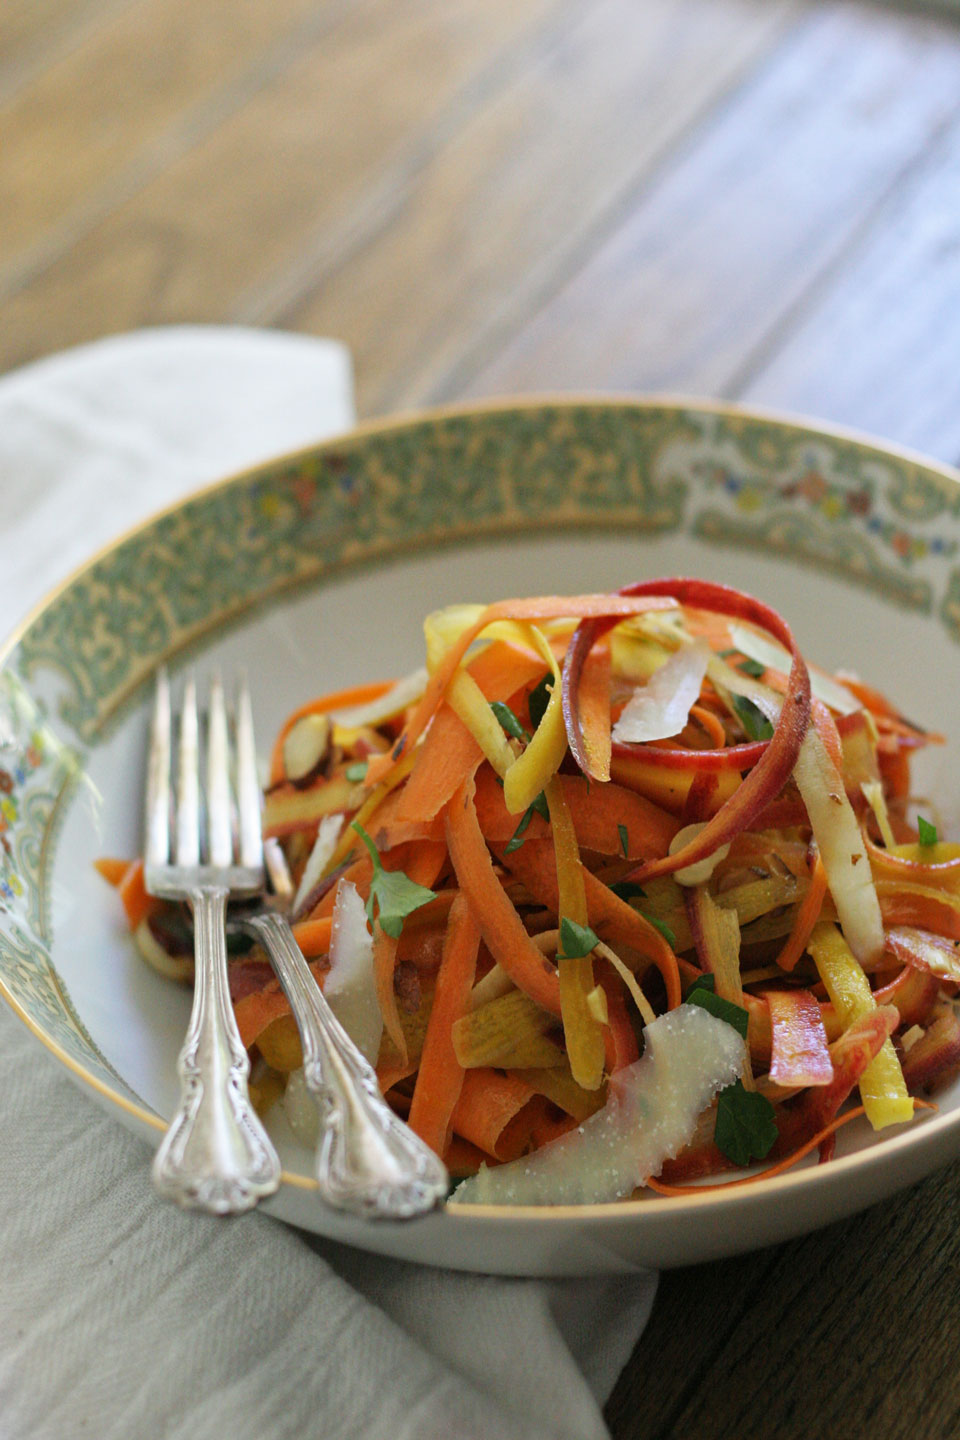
(122, 1315)
(95, 440)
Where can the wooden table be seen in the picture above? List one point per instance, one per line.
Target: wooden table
(757, 199)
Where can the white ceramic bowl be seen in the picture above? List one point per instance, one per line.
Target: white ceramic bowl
(315, 572)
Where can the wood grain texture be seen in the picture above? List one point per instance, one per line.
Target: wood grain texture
(122, 104)
(875, 344)
(317, 148)
(500, 211)
(851, 1331)
(719, 247)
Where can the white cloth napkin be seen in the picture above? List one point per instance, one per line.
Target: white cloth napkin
(122, 1316)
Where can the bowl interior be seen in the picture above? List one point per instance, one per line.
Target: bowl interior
(316, 573)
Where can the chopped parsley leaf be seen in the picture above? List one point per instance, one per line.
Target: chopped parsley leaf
(628, 890)
(394, 893)
(575, 940)
(664, 929)
(928, 832)
(538, 806)
(752, 719)
(516, 839)
(508, 720)
(745, 1128)
(540, 699)
(721, 1009)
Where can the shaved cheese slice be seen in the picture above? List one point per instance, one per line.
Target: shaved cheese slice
(772, 656)
(320, 856)
(651, 1113)
(661, 708)
(729, 681)
(350, 987)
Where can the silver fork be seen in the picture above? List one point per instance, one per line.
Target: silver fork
(368, 1162)
(216, 1155)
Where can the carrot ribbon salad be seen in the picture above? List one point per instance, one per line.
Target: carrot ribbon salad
(616, 889)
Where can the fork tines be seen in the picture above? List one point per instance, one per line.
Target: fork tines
(204, 816)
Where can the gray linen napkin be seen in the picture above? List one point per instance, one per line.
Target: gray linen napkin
(123, 1317)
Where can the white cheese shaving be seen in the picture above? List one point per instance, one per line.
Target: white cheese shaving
(651, 1113)
(325, 844)
(350, 987)
(661, 707)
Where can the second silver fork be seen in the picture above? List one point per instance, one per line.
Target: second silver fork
(216, 1155)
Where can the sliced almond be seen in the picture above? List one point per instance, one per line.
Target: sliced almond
(701, 870)
(305, 747)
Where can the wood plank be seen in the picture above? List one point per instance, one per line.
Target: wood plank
(853, 1331)
(695, 1312)
(315, 150)
(131, 84)
(875, 345)
(717, 249)
(496, 214)
(34, 33)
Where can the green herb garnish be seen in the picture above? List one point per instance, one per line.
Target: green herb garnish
(540, 699)
(752, 718)
(628, 890)
(575, 940)
(725, 1010)
(539, 807)
(624, 840)
(516, 839)
(928, 832)
(664, 929)
(357, 771)
(508, 720)
(752, 668)
(745, 1129)
(396, 895)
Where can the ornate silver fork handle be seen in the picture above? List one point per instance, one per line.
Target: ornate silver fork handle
(368, 1162)
(216, 1155)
